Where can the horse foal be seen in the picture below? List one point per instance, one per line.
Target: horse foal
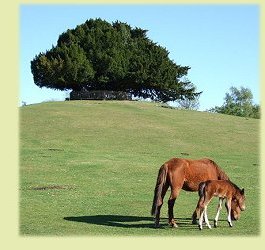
(225, 190)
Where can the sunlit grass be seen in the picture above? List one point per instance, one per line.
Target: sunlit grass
(102, 158)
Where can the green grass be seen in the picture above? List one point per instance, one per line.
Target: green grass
(89, 167)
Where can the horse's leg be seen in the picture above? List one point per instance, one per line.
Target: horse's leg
(171, 202)
(202, 210)
(228, 202)
(157, 218)
(206, 217)
(202, 207)
(196, 213)
(195, 216)
(218, 211)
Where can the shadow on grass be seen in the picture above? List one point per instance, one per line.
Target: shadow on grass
(129, 221)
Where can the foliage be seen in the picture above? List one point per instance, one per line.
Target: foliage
(239, 102)
(98, 55)
(189, 104)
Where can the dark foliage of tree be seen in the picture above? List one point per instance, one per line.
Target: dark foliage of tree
(98, 55)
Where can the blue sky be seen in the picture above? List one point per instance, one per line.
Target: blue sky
(219, 42)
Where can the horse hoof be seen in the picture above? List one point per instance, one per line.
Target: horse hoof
(174, 225)
(230, 224)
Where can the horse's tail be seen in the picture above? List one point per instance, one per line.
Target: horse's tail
(161, 180)
(201, 189)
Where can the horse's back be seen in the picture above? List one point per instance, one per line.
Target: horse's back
(201, 165)
(192, 172)
(175, 163)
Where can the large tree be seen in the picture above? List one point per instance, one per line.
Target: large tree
(98, 55)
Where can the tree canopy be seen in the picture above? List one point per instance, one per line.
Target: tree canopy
(97, 55)
(239, 102)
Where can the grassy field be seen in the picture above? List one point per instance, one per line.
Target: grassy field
(89, 167)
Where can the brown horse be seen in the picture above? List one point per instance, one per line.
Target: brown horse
(223, 189)
(184, 174)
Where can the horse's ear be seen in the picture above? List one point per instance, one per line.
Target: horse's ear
(242, 191)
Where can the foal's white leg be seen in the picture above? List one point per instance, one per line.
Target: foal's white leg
(229, 213)
(206, 218)
(201, 219)
(218, 211)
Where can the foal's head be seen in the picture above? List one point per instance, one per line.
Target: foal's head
(241, 199)
(238, 204)
(235, 210)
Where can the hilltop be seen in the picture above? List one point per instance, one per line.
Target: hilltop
(82, 159)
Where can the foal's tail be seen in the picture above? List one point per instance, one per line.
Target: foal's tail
(161, 180)
(201, 190)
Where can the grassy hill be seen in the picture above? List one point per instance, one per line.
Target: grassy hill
(89, 167)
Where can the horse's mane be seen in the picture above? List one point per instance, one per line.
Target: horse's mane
(235, 186)
(221, 174)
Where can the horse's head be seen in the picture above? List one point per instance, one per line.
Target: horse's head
(241, 200)
(238, 205)
(235, 210)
